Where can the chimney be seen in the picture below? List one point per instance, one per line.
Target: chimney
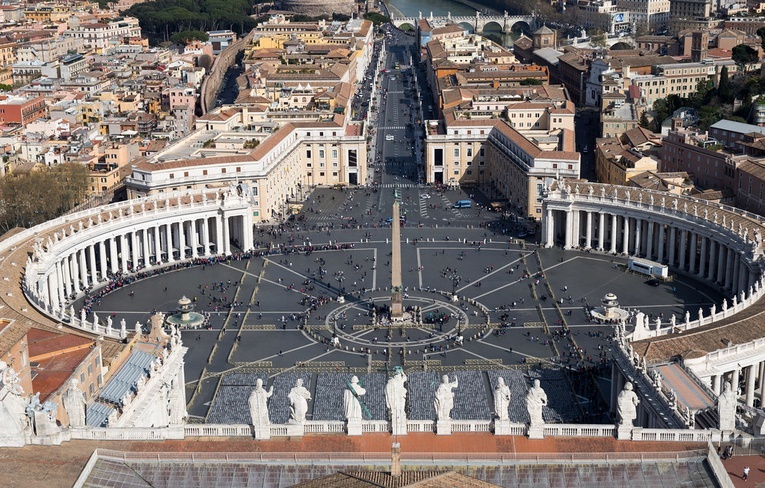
(395, 461)
(677, 123)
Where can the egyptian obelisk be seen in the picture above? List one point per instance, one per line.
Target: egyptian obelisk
(396, 307)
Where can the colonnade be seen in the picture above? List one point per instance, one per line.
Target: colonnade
(710, 250)
(131, 241)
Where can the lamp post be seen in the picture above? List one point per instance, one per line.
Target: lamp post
(455, 278)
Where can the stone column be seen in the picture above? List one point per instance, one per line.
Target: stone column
(219, 249)
(761, 380)
(576, 230)
(672, 241)
(626, 236)
(170, 239)
(721, 256)
(638, 235)
(751, 371)
(93, 267)
(692, 257)
(157, 243)
(204, 233)
(135, 248)
(588, 237)
(66, 272)
(716, 384)
(683, 248)
(125, 251)
(613, 233)
(649, 241)
(734, 382)
(661, 243)
(83, 259)
(547, 229)
(743, 273)
(193, 238)
(568, 239)
(102, 258)
(182, 238)
(146, 251)
(736, 272)
(113, 265)
(55, 289)
(397, 310)
(75, 268)
(703, 257)
(729, 269)
(226, 235)
(601, 232)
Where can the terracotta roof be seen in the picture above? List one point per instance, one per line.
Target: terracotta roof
(382, 479)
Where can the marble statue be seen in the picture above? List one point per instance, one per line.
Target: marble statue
(701, 315)
(687, 318)
(352, 400)
(658, 323)
(299, 397)
(395, 396)
(536, 398)
(626, 405)
(657, 379)
(726, 408)
(258, 402)
(83, 318)
(501, 400)
(109, 323)
(724, 304)
(12, 402)
(672, 320)
(75, 405)
(445, 398)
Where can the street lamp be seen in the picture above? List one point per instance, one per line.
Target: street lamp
(455, 278)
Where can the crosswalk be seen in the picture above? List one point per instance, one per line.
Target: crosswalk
(392, 127)
(398, 185)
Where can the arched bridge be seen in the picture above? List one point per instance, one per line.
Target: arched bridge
(505, 22)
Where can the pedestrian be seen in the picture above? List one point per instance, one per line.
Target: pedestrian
(746, 473)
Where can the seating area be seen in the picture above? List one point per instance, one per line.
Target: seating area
(473, 399)
(279, 405)
(562, 406)
(330, 388)
(516, 380)
(230, 404)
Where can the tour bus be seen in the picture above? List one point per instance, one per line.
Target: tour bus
(463, 204)
(650, 268)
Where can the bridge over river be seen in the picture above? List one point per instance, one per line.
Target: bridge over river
(506, 23)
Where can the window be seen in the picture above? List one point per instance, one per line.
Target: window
(334, 154)
(90, 369)
(456, 152)
(185, 174)
(308, 153)
(321, 153)
(238, 169)
(82, 378)
(470, 152)
(204, 172)
(172, 176)
(223, 170)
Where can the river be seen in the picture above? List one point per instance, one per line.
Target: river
(440, 8)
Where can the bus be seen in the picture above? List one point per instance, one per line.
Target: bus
(463, 204)
(398, 65)
(649, 268)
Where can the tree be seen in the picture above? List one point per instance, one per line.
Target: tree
(644, 123)
(186, 37)
(660, 113)
(724, 88)
(761, 33)
(744, 56)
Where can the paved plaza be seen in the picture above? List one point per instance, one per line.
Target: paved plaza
(277, 314)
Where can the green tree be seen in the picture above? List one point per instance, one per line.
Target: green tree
(761, 33)
(744, 56)
(660, 113)
(644, 123)
(186, 37)
(724, 88)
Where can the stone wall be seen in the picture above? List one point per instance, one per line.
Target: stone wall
(224, 60)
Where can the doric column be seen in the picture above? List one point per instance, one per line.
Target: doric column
(712, 260)
(145, 247)
(761, 380)
(61, 292)
(157, 244)
(135, 248)
(74, 268)
(683, 248)
(661, 243)
(613, 233)
(219, 234)
(83, 260)
(66, 268)
(736, 272)
(93, 267)
(734, 380)
(102, 258)
(567, 239)
(226, 237)
(750, 374)
(575, 228)
(601, 232)
(182, 239)
(729, 269)
(672, 241)
(193, 238)
(692, 256)
(204, 233)
(626, 236)
(55, 292)
(638, 236)
(722, 253)
(124, 253)
(169, 239)
(716, 384)
(649, 241)
(113, 254)
(703, 257)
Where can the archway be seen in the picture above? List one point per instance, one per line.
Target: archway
(521, 26)
(468, 26)
(621, 46)
(406, 26)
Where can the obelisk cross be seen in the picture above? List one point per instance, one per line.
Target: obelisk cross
(396, 309)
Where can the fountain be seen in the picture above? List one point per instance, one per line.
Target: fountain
(610, 311)
(185, 316)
